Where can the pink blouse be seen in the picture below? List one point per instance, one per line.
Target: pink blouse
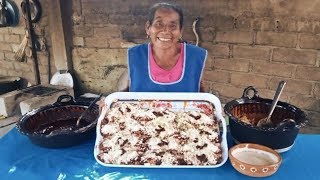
(166, 76)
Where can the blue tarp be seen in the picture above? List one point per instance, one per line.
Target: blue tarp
(20, 159)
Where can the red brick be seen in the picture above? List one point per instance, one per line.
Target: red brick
(96, 19)
(5, 47)
(305, 26)
(306, 102)
(267, 24)
(30, 75)
(126, 20)
(111, 57)
(220, 21)
(205, 35)
(4, 30)
(207, 86)
(231, 65)
(294, 56)
(313, 119)
(3, 72)
(100, 42)
(217, 50)
(111, 31)
(241, 37)
(278, 25)
(249, 52)
(22, 67)
(293, 86)
(189, 36)
(317, 28)
(277, 39)
(115, 43)
(274, 69)
(12, 38)
(78, 41)
(308, 73)
(241, 79)
(9, 55)
(316, 91)
(309, 41)
(1, 56)
(6, 64)
(209, 63)
(105, 7)
(216, 76)
(227, 90)
(80, 52)
(134, 32)
(18, 30)
(18, 73)
(243, 23)
(83, 31)
(269, 94)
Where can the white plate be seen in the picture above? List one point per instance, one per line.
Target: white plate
(178, 102)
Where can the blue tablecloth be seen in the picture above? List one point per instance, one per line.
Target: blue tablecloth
(20, 159)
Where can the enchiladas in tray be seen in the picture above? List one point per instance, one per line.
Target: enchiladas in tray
(164, 133)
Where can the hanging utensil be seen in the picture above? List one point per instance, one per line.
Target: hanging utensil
(31, 33)
(5, 17)
(20, 53)
(9, 13)
(35, 8)
(194, 30)
(266, 122)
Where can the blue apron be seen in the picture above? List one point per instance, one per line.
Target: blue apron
(140, 75)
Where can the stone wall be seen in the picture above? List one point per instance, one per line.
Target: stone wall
(249, 42)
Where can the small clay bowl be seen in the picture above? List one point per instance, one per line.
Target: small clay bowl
(254, 160)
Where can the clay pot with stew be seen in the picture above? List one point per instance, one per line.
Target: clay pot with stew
(245, 112)
(54, 125)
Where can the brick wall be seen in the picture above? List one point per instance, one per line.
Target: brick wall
(254, 43)
(11, 38)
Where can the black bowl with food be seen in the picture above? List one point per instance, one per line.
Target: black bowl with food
(245, 112)
(54, 125)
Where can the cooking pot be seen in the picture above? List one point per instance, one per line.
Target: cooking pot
(54, 125)
(287, 118)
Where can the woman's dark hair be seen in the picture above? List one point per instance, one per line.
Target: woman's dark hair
(165, 5)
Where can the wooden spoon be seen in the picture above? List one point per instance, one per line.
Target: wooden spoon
(266, 122)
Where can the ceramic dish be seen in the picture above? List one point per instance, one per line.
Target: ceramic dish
(254, 160)
(175, 102)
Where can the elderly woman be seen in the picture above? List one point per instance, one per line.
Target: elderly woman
(165, 64)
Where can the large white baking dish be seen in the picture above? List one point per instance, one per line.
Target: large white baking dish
(178, 101)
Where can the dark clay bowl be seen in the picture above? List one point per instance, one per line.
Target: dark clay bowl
(287, 120)
(54, 126)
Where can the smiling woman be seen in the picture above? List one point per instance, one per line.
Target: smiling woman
(165, 64)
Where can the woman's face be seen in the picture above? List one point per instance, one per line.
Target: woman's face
(165, 30)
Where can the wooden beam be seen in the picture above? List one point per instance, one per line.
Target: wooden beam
(60, 33)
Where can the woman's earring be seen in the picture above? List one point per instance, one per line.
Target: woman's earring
(180, 39)
(148, 36)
